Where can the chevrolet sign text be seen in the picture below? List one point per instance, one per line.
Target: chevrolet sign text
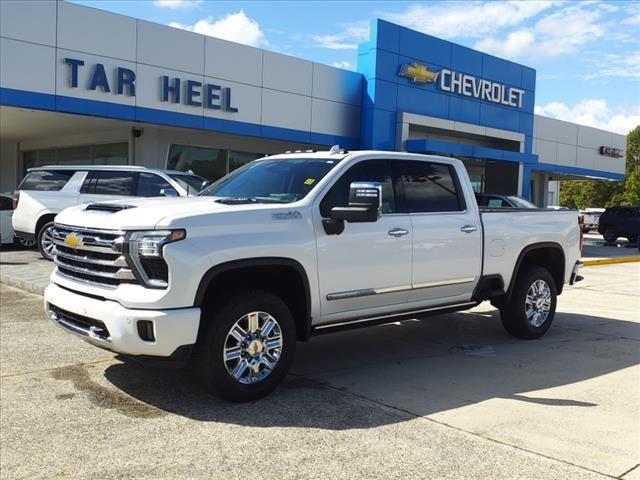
(470, 86)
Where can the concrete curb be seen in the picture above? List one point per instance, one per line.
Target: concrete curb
(27, 285)
(609, 261)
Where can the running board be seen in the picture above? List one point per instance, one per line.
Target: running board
(362, 322)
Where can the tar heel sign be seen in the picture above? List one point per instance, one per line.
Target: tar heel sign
(463, 84)
(122, 81)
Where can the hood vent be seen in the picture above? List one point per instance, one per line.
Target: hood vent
(108, 207)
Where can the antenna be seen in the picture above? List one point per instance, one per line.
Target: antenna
(335, 149)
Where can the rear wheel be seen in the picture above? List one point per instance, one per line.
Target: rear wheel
(248, 346)
(45, 241)
(531, 309)
(610, 235)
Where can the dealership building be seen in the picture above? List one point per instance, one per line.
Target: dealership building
(83, 86)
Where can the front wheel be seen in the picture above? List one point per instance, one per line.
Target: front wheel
(24, 243)
(532, 307)
(248, 346)
(45, 241)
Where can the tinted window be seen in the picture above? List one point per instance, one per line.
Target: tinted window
(191, 183)
(367, 171)
(6, 203)
(109, 183)
(46, 180)
(429, 187)
(149, 185)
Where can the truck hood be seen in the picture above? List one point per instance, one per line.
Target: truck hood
(147, 213)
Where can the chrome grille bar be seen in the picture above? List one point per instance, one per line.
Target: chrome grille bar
(121, 274)
(117, 262)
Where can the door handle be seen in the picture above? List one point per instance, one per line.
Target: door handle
(468, 228)
(398, 232)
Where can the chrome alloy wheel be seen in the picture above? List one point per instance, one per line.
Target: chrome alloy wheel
(253, 347)
(538, 303)
(47, 241)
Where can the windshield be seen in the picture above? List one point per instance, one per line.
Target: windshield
(273, 181)
(193, 184)
(521, 202)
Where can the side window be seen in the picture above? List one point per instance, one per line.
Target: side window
(429, 187)
(495, 202)
(6, 203)
(46, 180)
(109, 183)
(150, 184)
(367, 171)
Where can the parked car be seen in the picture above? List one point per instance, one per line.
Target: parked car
(618, 222)
(502, 201)
(296, 245)
(6, 229)
(46, 191)
(591, 218)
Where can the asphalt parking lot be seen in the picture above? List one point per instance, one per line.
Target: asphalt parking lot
(449, 397)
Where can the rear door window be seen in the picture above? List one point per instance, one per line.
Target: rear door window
(150, 184)
(109, 183)
(46, 180)
(429, 187)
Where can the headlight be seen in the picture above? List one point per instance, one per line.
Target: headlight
(144, 249)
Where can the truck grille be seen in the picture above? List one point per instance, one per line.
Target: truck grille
(91, 256)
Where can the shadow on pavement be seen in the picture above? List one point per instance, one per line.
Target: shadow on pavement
(431, 365)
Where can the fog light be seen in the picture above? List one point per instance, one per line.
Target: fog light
(145, 330)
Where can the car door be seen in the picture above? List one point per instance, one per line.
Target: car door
(368, 265)
(447, 236)
(6, 212)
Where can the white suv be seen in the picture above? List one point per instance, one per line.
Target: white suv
(46, 191)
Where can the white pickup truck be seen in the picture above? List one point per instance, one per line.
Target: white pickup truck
(295, 245)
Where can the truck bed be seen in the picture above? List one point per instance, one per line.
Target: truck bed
(507, 231)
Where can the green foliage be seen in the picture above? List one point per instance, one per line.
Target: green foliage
(602, 193)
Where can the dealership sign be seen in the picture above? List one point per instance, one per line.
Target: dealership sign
(611, 152)
(172, 89)
(463, 84)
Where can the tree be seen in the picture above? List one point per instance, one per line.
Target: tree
(603, 193)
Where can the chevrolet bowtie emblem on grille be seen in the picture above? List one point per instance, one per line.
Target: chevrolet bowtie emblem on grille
(417, 73)
(73, 241)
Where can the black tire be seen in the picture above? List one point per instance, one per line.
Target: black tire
(610, 235)
(221, 317)
(514, 315)
(43, 245)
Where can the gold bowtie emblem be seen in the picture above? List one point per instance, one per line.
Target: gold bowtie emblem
(418, 73)
(73, 241)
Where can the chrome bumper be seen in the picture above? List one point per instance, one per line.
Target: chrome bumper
(574, 273)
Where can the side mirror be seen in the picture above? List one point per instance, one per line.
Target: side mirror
(168, 192)
(205, 184)
(365, 202)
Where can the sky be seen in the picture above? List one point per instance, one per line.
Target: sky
(586, 53)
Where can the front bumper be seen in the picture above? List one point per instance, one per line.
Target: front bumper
(574, 273)
(109, 325)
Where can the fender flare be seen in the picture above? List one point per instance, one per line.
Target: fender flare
(524, 252)
(222, 268)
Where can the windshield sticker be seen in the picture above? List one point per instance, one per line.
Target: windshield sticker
(290, 215)
(309, 181)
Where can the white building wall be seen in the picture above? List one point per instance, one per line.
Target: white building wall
(269, 89)
(562, 143)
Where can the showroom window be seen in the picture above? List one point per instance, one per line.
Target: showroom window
(102, 154)
(210, 163)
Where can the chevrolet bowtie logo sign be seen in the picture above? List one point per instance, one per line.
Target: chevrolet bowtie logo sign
(450, 81)
(73, 241)
(417, 73)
